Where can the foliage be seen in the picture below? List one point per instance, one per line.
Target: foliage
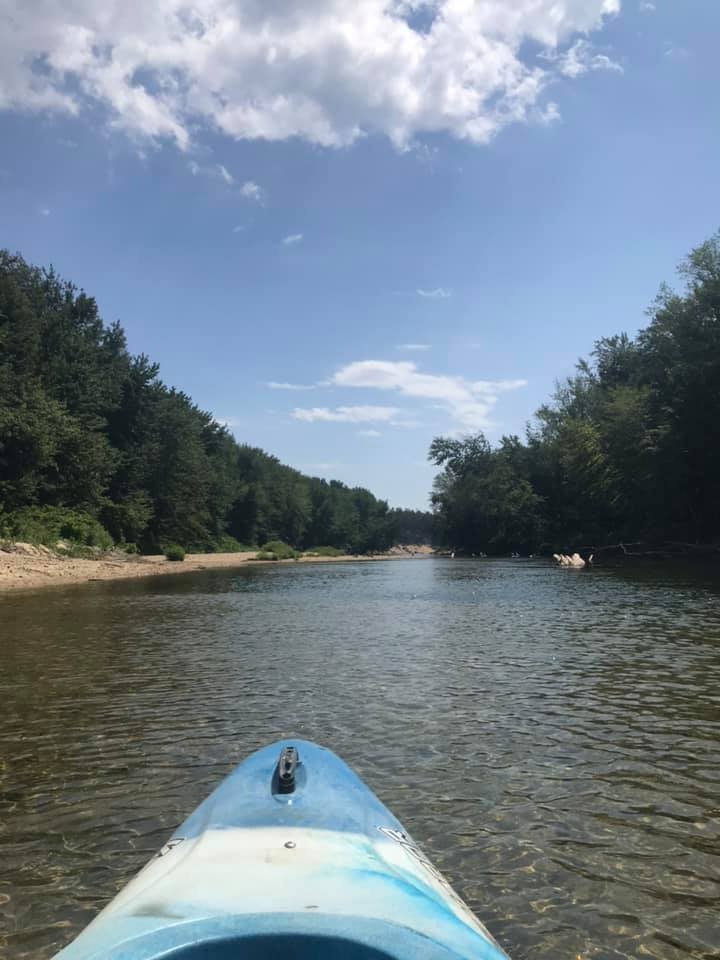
(625, 450)
(412, 526)
(86, 426)
(48, 525)
(174, 552)
(226, 544)
(483, 497)
(324, 552)
(277, 550)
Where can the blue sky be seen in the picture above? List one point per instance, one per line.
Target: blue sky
(414, 250)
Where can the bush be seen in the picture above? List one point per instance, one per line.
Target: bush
(324, 552)
(174, 553)
(130, 548)
(277, 550)
(222, 544)
(47, 525)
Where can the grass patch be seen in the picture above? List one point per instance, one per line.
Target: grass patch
(277, 550)
(222, 544)
(325, 552)
(228, 544)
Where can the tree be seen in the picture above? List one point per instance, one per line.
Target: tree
(624, 450)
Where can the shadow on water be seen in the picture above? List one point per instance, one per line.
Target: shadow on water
(551, 737)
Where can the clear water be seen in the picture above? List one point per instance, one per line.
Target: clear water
(550, 737)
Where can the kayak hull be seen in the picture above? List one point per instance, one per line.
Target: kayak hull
(320, 871)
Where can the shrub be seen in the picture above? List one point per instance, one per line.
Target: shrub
(222, 544)
(47, 525)
(174, 553)
(324, 552)
(131, 548)
(277, 550)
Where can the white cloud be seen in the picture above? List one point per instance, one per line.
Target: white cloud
(252, 191)
(647, 6)
(45, 211)
(369, 433)
(469, 403)
(215, 171)
(275, 385)
(579, 59)
(292, 239)
(238, 228)
(228, 422)
(360, 414)
(327, 71)
(439, 293)
(413, 346)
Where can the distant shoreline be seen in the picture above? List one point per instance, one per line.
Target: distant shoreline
(36, 567)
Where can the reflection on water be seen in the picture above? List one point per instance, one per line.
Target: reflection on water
(551, 737)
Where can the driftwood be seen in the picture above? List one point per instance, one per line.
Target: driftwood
(667, 550)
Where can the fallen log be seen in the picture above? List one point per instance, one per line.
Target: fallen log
(666, 550)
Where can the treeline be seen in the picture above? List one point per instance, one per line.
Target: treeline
(628, 449)
(413, 526)
(88, 427)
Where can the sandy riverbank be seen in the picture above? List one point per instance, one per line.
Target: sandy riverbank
(28, 567)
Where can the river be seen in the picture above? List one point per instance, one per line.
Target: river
(550, 737)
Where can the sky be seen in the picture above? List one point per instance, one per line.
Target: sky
(346, 227)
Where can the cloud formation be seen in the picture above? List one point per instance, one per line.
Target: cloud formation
(359, 414)
(413, 347)
(468, 402)
(252, 191)
(369, 433)
(277, 385)
(292, 239)
(328, 71)
(439, 293)
(581, 58)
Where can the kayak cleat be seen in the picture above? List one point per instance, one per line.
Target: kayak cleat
(285, 771)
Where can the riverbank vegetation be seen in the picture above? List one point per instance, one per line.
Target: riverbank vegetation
(626, 450)
(95, 448)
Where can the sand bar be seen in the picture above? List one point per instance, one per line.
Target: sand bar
(24, 566)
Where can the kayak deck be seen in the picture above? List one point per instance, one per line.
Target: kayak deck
(291, 855)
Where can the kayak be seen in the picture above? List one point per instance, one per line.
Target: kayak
(291, 856)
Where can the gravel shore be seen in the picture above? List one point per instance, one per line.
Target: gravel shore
(25, 566)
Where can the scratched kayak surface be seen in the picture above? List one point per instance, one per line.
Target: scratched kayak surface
(291, 855)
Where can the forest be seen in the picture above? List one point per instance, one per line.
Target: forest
(92, 442)
(627, 449)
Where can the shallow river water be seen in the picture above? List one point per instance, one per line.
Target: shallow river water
(550, 737)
